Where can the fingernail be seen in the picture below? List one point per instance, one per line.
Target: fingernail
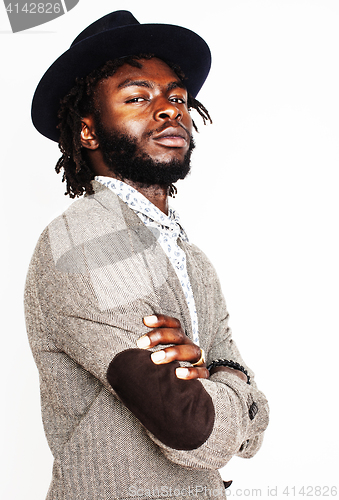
(182, 372)
(143, 342)
(151, 320)
(158, 356)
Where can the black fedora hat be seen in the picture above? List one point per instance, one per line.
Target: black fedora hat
(116, 35)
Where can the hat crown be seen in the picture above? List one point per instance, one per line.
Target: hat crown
(113, 20)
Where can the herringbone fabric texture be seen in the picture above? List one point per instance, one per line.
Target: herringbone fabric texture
(96, 272)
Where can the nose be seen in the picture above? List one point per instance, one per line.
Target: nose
(166, 110)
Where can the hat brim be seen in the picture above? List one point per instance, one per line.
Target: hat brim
(172, 43)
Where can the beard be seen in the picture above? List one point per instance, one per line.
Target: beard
(124, 159)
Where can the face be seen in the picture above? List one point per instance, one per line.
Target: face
(149, 106)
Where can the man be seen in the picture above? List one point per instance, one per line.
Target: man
(120, 307)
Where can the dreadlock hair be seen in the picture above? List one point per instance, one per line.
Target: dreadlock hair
(80, 102)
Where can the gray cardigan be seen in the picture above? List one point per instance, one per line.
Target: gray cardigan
(95, 273)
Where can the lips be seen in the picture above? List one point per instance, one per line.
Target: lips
(172, 137)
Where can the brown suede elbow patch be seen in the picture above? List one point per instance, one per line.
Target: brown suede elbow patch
(180, 413)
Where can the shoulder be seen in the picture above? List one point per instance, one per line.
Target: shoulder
(87, 218)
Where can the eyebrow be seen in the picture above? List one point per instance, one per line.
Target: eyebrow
(175, 85)
(135, 83)
(149, 85)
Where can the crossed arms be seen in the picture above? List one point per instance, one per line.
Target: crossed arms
(200, 422)
(180, 414)
(168, 330)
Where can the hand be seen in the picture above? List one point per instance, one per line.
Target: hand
(168, 330)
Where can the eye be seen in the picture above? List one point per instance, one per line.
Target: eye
(179, 100)
(136, 99)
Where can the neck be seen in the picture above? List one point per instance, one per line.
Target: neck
(158, 195)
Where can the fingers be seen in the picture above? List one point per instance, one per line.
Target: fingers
(166, 330)
(185, 352)
(160, 320)
(163, 336)
(191, 373)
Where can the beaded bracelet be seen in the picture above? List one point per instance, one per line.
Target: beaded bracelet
(230, 364)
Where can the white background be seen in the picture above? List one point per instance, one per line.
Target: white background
(262, 202)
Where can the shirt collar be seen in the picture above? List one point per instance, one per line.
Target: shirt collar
(140, 204)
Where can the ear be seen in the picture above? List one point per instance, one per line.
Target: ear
(88, 136)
